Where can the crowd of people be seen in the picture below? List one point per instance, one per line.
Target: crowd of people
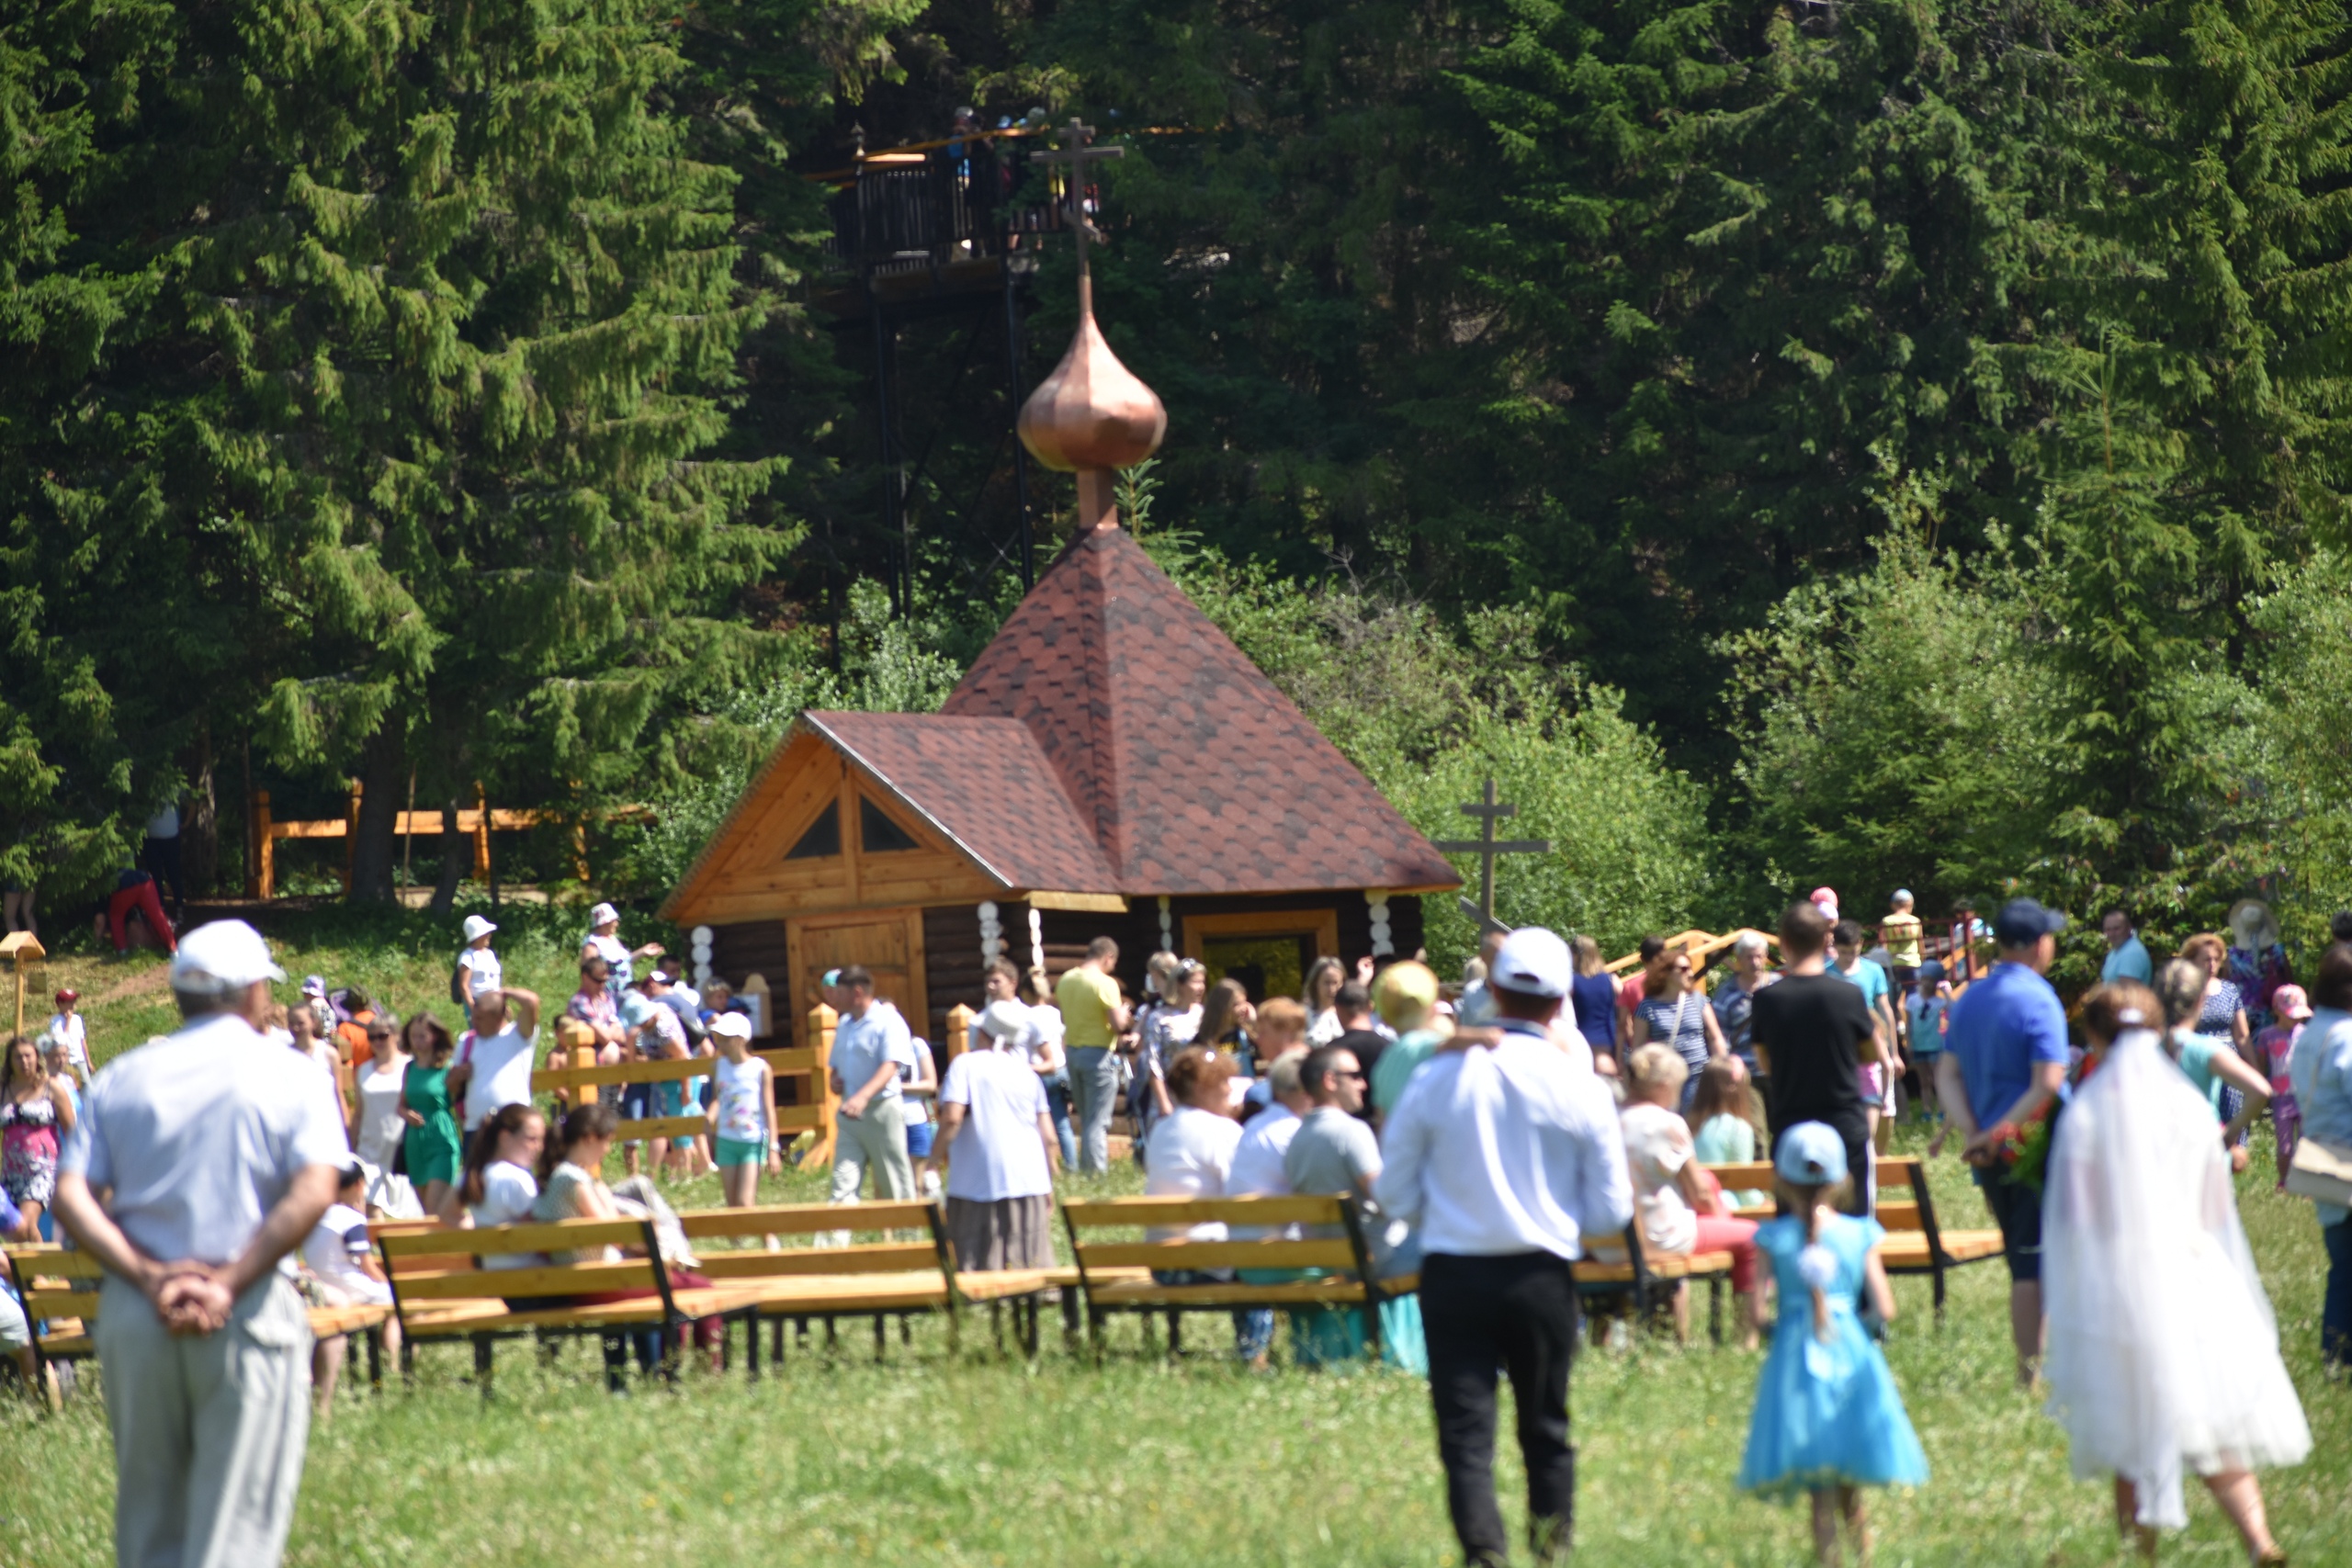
(1490, 1137)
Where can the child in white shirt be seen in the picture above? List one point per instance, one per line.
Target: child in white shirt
(343, 1270)
(68, 1028)
(478, 967)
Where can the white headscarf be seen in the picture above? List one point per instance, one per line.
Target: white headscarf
(2164, 1354)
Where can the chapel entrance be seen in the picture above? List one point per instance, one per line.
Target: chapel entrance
(888, 942)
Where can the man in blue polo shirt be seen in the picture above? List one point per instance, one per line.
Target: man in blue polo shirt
(2004, 1060)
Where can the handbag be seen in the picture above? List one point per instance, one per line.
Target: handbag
(2321, 1172)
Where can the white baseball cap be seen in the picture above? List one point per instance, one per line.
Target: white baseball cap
(1534, 962)
(478, 928)
(732, 1024)
(601, 915)
(225, 955)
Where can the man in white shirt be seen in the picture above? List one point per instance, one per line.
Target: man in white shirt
(871, 1043)
(1507, 1158)
(497, 1068)
(222, 1150)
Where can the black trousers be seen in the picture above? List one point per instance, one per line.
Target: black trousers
(1517, 1312)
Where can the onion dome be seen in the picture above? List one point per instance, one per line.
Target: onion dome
(1092, 411)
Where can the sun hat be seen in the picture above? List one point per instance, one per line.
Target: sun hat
(1811, 1155)
(2291, 1002)
(313, 984)
(224, 956)
(1534, 962)
(1003, 1022)
(2022, 920)
(603, 914)
(477, 928)
(734, 1025)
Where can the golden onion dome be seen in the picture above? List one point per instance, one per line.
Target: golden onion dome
(1092, 411)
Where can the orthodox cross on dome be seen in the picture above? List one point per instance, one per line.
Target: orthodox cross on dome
(1092, 416)
(1078, 152)
(1486, 846)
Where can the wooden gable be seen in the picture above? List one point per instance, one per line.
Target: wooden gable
(877, 852)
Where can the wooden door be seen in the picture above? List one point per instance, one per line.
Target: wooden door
(888, 942)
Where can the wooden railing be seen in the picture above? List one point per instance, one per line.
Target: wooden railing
(261, 875)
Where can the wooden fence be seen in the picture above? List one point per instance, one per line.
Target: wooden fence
(264, 830)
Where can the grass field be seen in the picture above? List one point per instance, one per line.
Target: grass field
(980, 1460)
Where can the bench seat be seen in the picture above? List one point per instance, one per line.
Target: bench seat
(1659, 1265)
(1148, 1293)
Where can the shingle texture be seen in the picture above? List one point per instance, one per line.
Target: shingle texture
(1191, 772)
(987, 785)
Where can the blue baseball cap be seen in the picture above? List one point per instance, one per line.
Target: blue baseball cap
(1811, 1155)
(2022, 922)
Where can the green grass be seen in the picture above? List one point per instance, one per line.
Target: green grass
(936, 1460)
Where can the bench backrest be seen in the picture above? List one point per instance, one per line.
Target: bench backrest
(458, 1253)
(1896, 1174)
(1087, 1218)
(755, 1225)
(56, 1282)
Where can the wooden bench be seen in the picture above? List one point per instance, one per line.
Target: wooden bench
(442, 1291)
(876, 1278)
(60, 1287)
(1648, 1280)
(1117, 1275)
(586, 1074)
(1917, 1242)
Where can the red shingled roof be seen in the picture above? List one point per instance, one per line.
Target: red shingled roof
(986, 784)
(1193, 772)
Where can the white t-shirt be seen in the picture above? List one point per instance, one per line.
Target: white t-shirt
(508, 1194)
(742, 1100)
(997, 1153)
(71, 1031)
(1045, 1029)
(1256, 1169)
(482, 970)
(1189, 1156)
(334, 1249)
(199, 1134)
(501, 1073)
(913, 1109)
(615, 952)
(380, 1127)
(1657, 1145)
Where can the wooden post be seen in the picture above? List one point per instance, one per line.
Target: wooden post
(22, 948)
(264, 849)
(959, 1030)
(351, 834)
(481, 834)
(822, 1020)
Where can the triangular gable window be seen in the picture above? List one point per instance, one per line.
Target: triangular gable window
(823, 839)
(876, 834)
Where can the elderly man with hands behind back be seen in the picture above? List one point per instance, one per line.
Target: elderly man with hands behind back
(221, 1152)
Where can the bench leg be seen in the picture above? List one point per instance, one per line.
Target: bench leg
(408, 1360)
(482, 1353)
(996, 1324)
(1069, 1311)
(1715, 1309)
(1036, 1309)
(752, 1346)
(375, 1359)
(776, 1340)
(833, 1337)
(906, 1330)
(881, 1337)
(1175, 1334)
(1095, 1334)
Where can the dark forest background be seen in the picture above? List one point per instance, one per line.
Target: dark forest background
(1896, 442)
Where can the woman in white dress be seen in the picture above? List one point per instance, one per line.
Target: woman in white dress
(2145, 1272)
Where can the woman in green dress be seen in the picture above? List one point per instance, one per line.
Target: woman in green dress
(432, 1148)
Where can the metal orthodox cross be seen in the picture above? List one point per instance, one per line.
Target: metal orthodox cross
(1078, 151)
(1486, 846)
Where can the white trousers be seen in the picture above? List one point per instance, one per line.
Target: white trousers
(209, 1430)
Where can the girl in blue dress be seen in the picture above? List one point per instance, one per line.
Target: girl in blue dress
(1828, 1421)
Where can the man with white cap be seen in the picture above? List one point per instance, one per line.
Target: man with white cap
(222, 1150)
(603, 940)
(1507, 1158)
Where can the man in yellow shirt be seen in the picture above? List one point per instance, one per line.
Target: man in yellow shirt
(1094, 1016)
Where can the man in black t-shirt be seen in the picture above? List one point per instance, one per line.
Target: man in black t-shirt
(1811, 1027)
(1353, 1007)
